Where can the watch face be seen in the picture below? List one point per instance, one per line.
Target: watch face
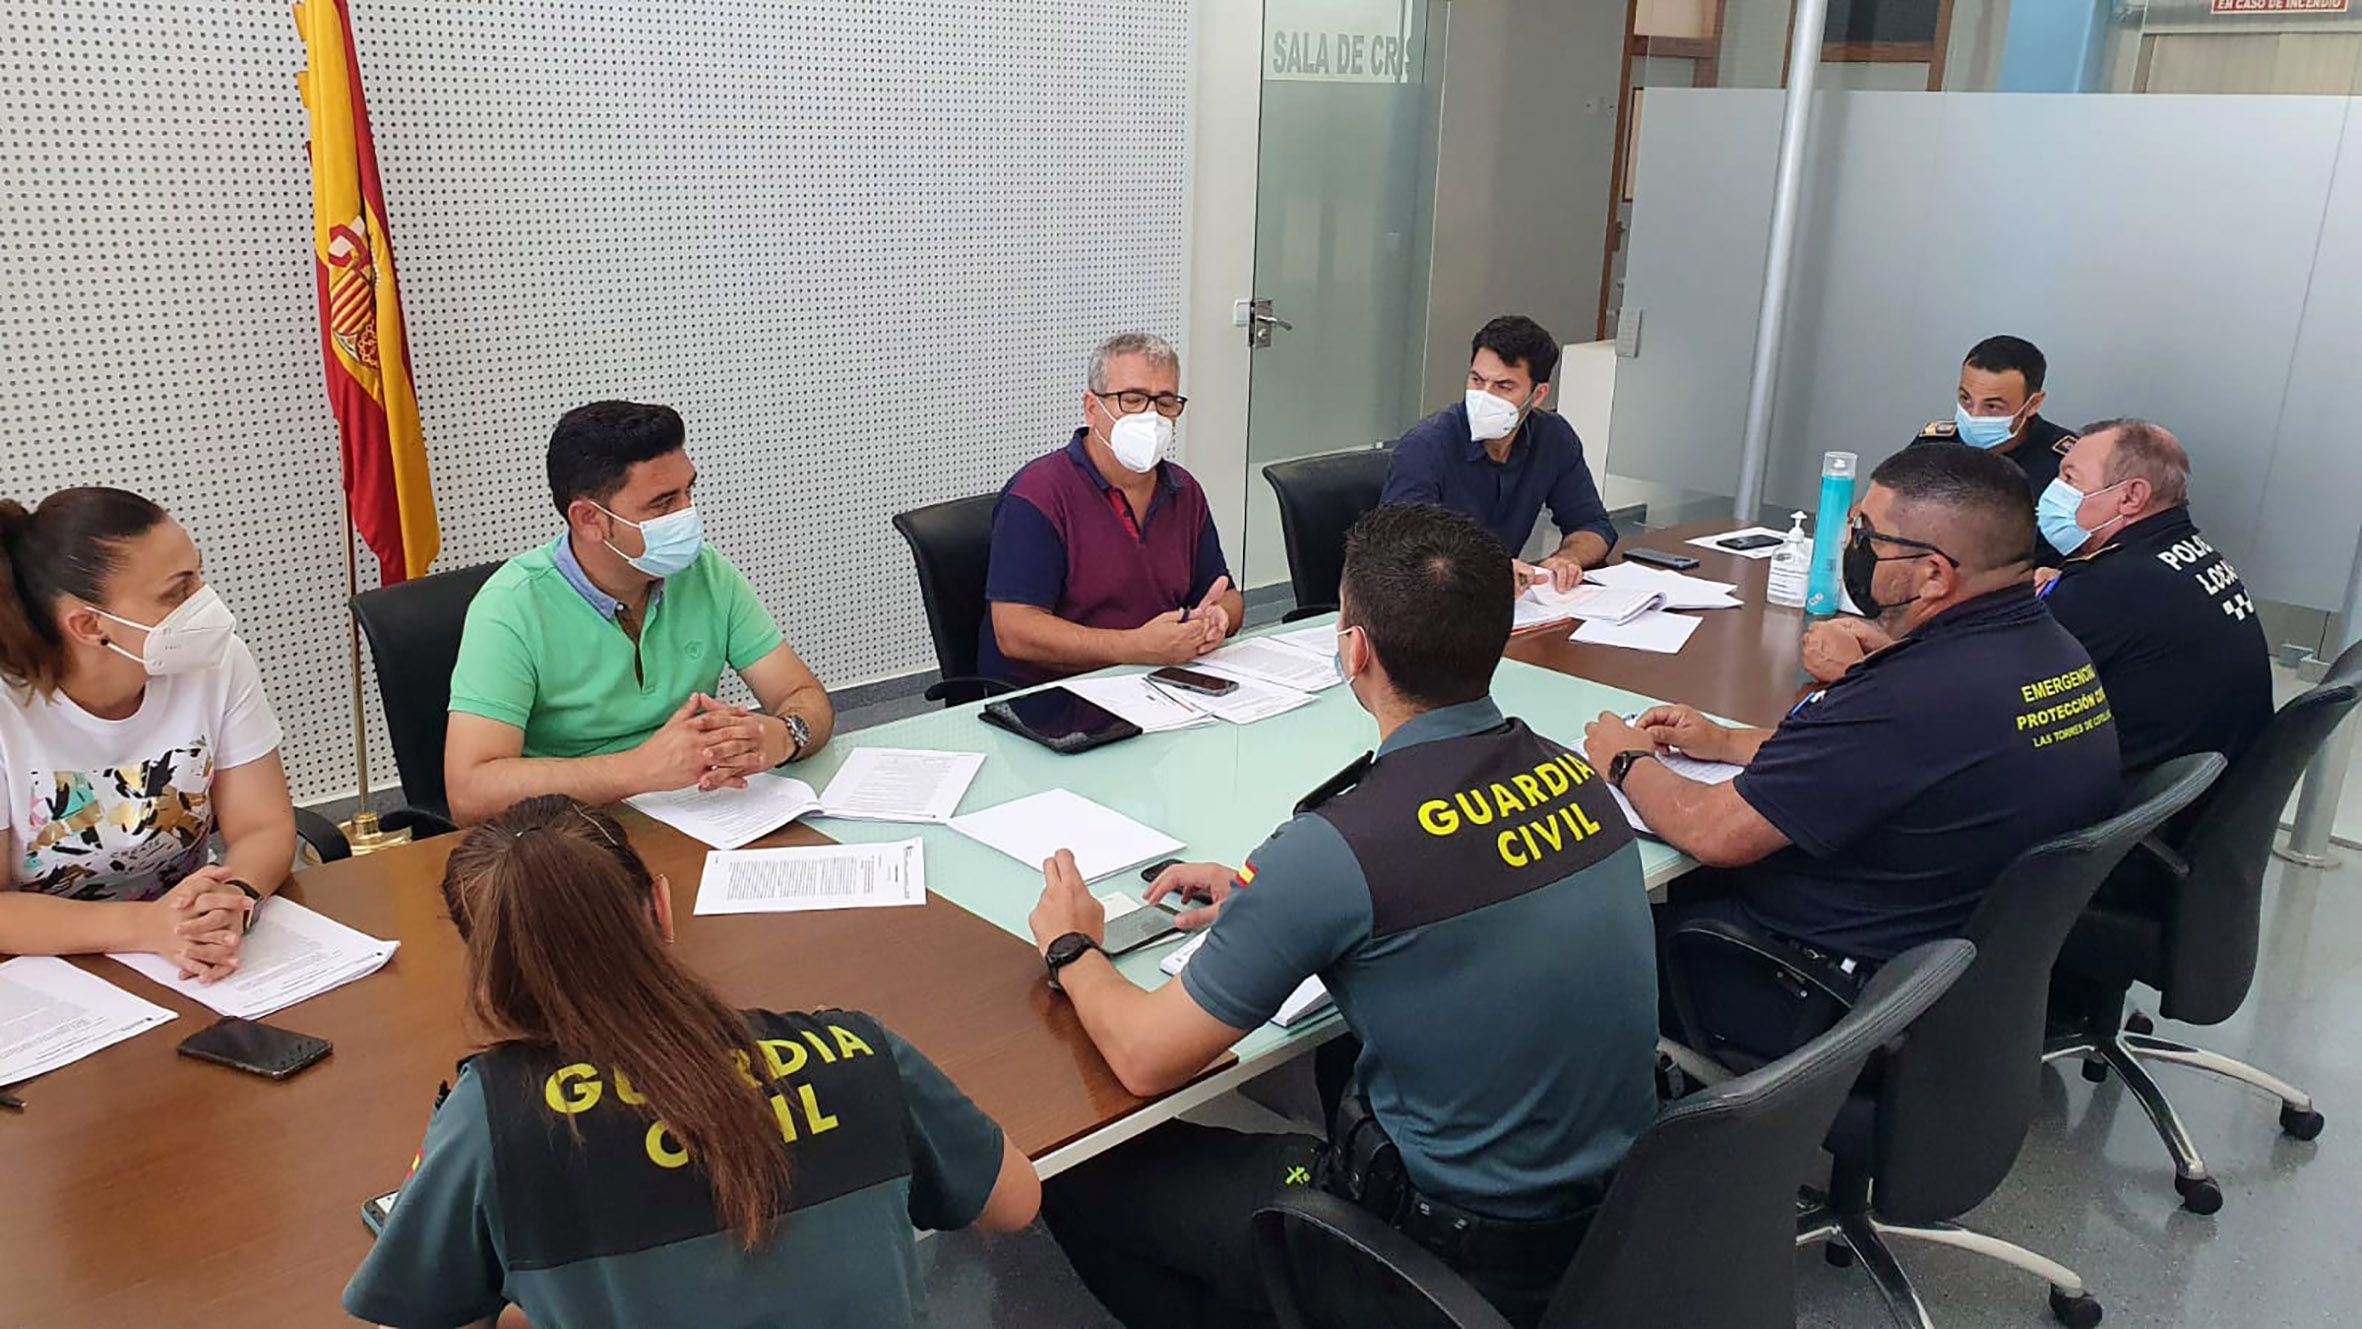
(1065, 949)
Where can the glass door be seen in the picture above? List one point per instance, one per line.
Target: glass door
(1345, 198)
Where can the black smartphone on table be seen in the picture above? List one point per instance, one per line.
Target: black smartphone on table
(1659, 558)
(1189, 680)
(258, 1049)
(1130, 932)
(1740, 544)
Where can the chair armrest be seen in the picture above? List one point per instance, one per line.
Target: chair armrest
(1631, 514)
(422, 824)
(1302, 612)
(966, 688)
(321, 834)
(1359, 1230)
(1783, 961)
(2174, 865)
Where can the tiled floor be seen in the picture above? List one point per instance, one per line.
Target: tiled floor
(2092, 1189)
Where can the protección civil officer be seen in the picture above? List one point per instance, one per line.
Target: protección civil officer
(1452, 890)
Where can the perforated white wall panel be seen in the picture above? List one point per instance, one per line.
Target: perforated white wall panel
(864, 246)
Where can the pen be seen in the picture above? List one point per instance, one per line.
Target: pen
(11, 1101)
(1185, 613)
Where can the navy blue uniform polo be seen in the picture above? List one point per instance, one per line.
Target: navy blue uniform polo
(1908, 784)
(2038, 452)
(1439, 461)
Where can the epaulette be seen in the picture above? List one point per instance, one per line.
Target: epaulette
(1941, 429)
(2065, 442)
(1337, 784)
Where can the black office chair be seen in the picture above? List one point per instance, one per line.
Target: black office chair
(1319, 500)
(2183, 916)
(1710, 1187)
(1938, 1125)
(413, 629)
(952, 545)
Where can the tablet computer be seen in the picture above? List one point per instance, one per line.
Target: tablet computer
(1060, 720)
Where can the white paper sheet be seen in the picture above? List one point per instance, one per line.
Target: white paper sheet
(1274, 662)
(836, 876)
(1714, 542)
(728, 818)
(1143, 703)
(1310, 998)
(1680, 590)
(1318, 641)
(1655, 630)
(900, 784)
(1588, 601)
(1704, 772)
(1034, 828)
(1253, 700)
(292, 954)
(53, 1014)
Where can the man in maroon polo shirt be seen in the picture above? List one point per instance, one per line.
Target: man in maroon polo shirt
(1104, 553)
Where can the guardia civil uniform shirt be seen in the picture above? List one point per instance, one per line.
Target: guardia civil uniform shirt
(543, 652)
(2175, 638)
(1908, 784)
(540, 1186)
(1474, 904)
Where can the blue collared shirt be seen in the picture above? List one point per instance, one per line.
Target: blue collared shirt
(1439, 461)
(561, 552)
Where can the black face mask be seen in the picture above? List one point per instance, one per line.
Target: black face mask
(1860, 567)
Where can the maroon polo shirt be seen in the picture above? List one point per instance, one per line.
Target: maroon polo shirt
(1063, 539)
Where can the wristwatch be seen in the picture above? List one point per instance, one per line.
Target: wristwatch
(251, 894)
(1622, 765)
(1065, 951)
(799, 731)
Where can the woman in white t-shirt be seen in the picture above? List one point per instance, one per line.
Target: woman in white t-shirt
(132, 728)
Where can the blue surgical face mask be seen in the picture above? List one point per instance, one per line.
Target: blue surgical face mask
(673, 541)
(2055, 511)
(1984, 431)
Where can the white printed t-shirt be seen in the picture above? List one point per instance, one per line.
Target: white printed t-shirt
(122, 809)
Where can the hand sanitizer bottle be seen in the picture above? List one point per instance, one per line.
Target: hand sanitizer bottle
(1791, 568)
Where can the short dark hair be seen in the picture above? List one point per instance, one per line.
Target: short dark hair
(594, 447)
(1432, 590)
(2000, 355)
(1979, 499)
(1518, 339)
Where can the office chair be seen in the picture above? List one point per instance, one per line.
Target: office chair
(1710, 1186)
(1938, 1125)
(2183, 916)
(952, 545)
(414, 629)
(1319, 500)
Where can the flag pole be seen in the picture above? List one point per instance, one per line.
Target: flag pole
(362, 832)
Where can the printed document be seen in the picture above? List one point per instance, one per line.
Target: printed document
(728, 818)
(292, 954)
(1253, 699)
(1033, 829)
(1145, 704)
(836, 876)
(1655, 630)
(1270, 662)
(53, 1014)
(1680, 590)
(1592, 602)
(900, 784)
(1689, 768)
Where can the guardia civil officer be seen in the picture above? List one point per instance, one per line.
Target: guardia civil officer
(1876, 816)
(1464, 892)
(2167, 621)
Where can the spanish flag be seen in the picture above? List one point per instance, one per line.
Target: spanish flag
(361, 337)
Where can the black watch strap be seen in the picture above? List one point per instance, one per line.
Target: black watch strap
(1065, 950)
(1623, 763)
(251, 894)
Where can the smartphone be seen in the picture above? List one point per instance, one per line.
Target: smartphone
(258, 1049)
(1659, 558)
(374, 1213)
(1189, 680)
(1740, 544)
(1130, 932)
(1155, 870)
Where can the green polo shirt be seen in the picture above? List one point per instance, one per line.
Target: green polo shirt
(541, 655)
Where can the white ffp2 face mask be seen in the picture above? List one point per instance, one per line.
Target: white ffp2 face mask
(1489, 417)
(1138, 440)
(191, 639)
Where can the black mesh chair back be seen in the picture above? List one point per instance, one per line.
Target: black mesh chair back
(952, 545)
(1953, 1104)
(413, 629)
(2211, 928)
(1709, 1188)
(1319, 500)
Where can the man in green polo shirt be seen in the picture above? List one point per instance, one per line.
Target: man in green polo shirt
(589, 665)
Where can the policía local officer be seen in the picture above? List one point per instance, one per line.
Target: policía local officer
(2167, 621)
(1458, 892)
(1876, 816)
(1999, 408)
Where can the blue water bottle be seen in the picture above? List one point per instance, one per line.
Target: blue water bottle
(1827, 595)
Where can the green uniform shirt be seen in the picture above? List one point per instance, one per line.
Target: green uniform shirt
(537, 654)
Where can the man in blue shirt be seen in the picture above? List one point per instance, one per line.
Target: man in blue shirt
(1498, 456)
(1448, 890)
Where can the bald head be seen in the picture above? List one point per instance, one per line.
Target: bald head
(2130, 449)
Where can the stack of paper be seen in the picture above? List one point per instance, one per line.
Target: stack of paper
(1690, 768)
(899, 784)
(1273, 661)
(1033, 829)
(292, 954)
(836, 876)
(728, 818)
(1309, 999)
(1680, 591)
(1253, 699)
(1589, 601)
(1655, 630)
(1156, 710)
(1318, 641)
(52, 1014)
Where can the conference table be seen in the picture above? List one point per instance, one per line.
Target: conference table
(140, 1187)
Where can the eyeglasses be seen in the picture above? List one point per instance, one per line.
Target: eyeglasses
(1862, 529)
(1131, 402)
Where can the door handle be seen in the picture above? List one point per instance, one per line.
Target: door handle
(1261, 321)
